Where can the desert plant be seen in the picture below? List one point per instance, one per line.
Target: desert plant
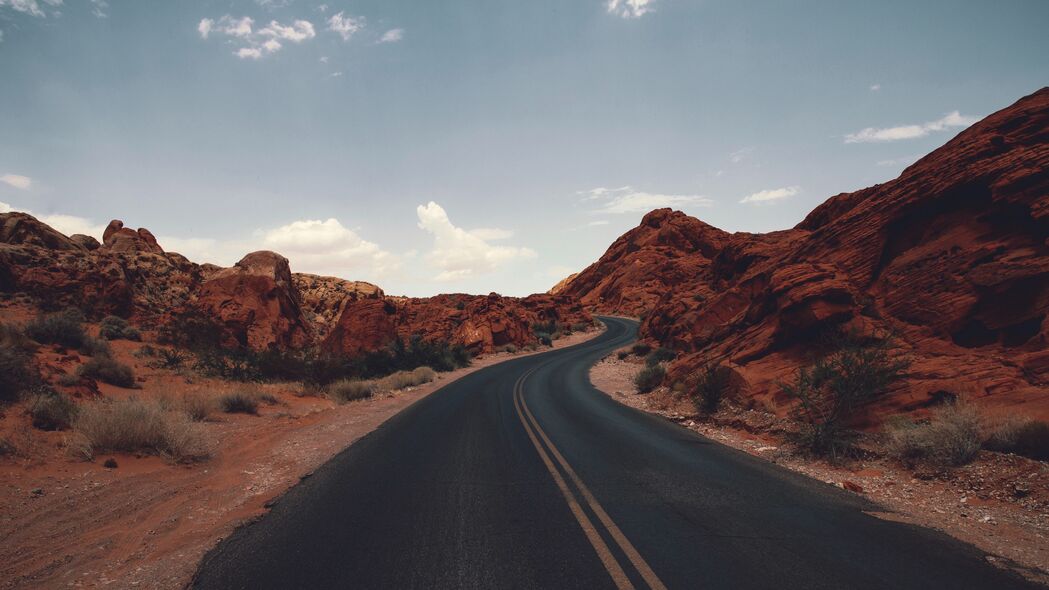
(649, 378)
(1028, 438)
(240, 402)
(348, 390)
(622, 354)
(951, 437)
(117, 328)
(640, 349)
(544, 338)
(134, 426)
(836, 386)
(198, 406)
(95, 347)
(580, 327)
(50, 410)
(14, 371)
(65, 328)
(169, 358)
(109, 370)
(710, 388)
(659, 355)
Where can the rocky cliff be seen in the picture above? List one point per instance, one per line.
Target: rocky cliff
(952, 258)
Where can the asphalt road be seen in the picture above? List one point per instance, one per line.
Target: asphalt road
(522, 475)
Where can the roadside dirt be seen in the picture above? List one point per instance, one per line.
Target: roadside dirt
(65, 522)
(999, 503)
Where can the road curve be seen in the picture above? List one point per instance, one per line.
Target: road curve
(522, 475)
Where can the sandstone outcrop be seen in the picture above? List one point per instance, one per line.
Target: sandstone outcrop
(952, 258)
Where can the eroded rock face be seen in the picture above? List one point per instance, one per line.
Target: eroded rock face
(323, 298)
(118, 238)
(952, 257)
(481, 323)
(256, 302)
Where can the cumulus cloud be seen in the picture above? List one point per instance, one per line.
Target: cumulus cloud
(627, 200)
(629, 8)
(392, 36)
(17, 180)
(67, 224)
(770, 195)
(99, 7)
(344, 25)
(951, 120)
(30, 6)
(328, 247)
(460, 254)
(257, 42)
(875, 87)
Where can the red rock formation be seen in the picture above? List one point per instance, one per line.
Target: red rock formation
(481, 323)
(952, 257)
(256, 302)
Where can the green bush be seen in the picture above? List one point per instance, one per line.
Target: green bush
(659, 355)
(50, 410)
(950, 438)
(95, 347)
(640, 349)
(109, 370)
(836, 386)
(710, 388)
(65, 328)
(348, 390)
(240, 402)
(117, 328)
(649, 378)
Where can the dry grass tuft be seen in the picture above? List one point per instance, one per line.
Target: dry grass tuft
(136, 426)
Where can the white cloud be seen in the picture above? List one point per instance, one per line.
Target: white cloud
(560, 271)
(629, 8)
(323, 8)
(345, 26)
(392, 36)
(67, 224)
(492, 233)
(1, 36)
(17, 180)
(258, 42)
(904, 161)
(29, 6)
(5, 208)
(597, 223)
(459, 253)
(324, 59)
(875, 87)
(951, 120)
(627, 200)
(328, 247)
(739, 155)
(769, 195)
(99, 7)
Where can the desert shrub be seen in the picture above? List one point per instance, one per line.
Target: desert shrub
(836, 386)
(65, 328)
(198, 406)
(544, 338)
(135, 426)
(68, 380)
(1028, 438)
(95, 347)
(649, 378)
(168, 358)
(547, 327)
(710, 388)
(109, 370)
(402, 379)
(50, 410)
(659, 355)
(950, 438)
(348, 390)
(510, 348)
(117, 328)
(7, 448)
(240, 402)
(622, 354)
(640, 349)
(14, 369)
(268, 398)
(580, 326)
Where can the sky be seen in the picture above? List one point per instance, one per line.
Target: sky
(479, 146)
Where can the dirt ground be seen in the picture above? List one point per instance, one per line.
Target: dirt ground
(65, 522)
(999, 503)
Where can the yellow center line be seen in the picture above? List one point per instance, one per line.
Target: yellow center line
(603, 552)
(628, 548)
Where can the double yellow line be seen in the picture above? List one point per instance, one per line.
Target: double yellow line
(619, 576)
